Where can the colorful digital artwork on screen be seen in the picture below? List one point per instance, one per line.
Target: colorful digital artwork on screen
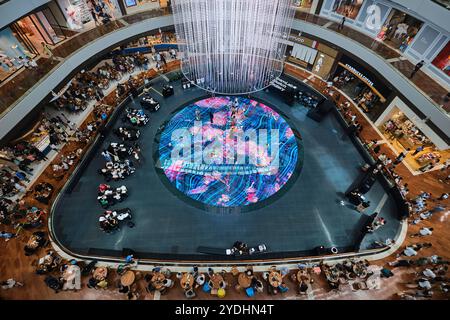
(228, 151)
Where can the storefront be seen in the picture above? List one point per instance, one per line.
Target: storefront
(37, 29)
(133, 6)
(11, 48)
(442, 60)
(308, 6)
(402, 132)
(157, 40)
(399, 30)
(78, 12)
(311, 55)
(368, 91)
(348, 8)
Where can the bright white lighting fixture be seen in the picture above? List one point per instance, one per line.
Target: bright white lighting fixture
(232, 46)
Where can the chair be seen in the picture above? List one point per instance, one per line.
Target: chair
(221, 293)
(259, 286)
(189, 294)
(283, 289)
(206, 287)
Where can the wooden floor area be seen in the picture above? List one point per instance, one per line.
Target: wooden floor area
(14, 264)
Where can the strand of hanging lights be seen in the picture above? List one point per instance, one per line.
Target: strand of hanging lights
(232, 46)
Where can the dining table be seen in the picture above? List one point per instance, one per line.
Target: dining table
(127, 279)
(100, 273)
(302, 275)
(244, 280)
(275, 279)
(216, 279)
(187, 281)
(158, 280)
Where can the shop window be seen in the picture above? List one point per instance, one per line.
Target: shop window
(403, 135)
(399, 30)
(11, 48)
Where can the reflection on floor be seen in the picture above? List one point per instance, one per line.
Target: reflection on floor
(308, 215)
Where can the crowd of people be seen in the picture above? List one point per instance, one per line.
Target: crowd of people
(421, 208)
(363, 96)
(89, 86)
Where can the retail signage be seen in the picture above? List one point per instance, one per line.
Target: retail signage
(362, 76)
(130, 3)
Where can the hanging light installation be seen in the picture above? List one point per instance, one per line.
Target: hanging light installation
(232, 46)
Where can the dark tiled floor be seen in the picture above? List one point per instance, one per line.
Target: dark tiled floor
(307, 215)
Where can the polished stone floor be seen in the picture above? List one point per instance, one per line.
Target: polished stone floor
(307, 215)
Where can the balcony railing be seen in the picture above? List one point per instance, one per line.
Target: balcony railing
(12, 91)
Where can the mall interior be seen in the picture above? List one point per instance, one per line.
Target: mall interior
(224, 149)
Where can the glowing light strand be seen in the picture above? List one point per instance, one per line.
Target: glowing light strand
(232, 46)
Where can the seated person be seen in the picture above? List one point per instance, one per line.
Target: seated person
(36, 241)
(200, 280)
(108, 224)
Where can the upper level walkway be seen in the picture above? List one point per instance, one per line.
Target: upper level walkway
(429, 86)
(18, 87)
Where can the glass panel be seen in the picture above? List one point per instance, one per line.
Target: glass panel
(41, 29)
(32, 33)
(53, 23)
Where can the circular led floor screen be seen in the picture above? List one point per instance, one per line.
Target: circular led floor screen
(228, 151)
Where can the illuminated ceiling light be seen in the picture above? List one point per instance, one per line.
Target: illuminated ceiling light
(232, 46)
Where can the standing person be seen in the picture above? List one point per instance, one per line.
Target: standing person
(341, 26)
(418, 149)
(94, 16)
(417, 68)
(423, 232)
(163, 59)
(401, 156)
(46, 50)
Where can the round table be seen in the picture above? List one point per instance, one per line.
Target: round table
(127, 278)
(187, 281)
(216, 279)
(157, 280)
(244, 280)
(275, 279)
(302, 275)
(100, 273)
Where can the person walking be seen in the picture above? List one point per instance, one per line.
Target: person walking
(94, 16)
(418, 149)
(401, 156)
(417, 67)
(46, 50)
(341, 26)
